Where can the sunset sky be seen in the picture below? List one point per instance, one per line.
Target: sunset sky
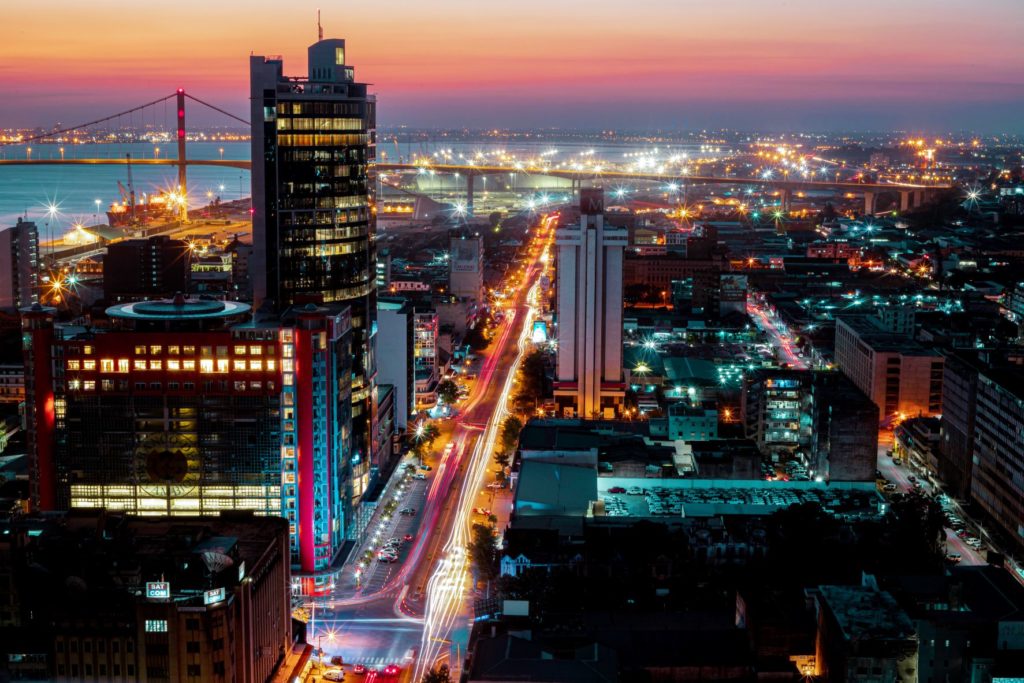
(937, 65)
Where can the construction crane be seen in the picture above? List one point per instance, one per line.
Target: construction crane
(131, 188)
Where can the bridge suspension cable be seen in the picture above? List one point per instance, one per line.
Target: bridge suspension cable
(51, 133)
(218, 109)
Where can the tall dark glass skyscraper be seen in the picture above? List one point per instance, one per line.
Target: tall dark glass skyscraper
(312, 141)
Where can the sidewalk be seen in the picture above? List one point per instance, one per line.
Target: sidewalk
(348, 583)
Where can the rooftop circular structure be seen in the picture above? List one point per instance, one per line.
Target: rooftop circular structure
(178, 308)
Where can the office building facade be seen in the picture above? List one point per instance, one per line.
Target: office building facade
(19, 266)
(313, 139)
(184, 409)
(589, 381)
(146, 268)
(395, 334)
(901, 376)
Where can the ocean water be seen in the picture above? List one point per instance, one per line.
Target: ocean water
(29, 190)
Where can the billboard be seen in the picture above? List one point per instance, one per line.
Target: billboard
(516, 608)
(212, 597)
(540, 332)
(591, 201)
(158, 590)
(465, 255)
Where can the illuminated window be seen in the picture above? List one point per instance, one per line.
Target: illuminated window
(222, 365)
(339, 56)
(74, 385)
(122, 365)
(156, 365)
(239, 386)
(190, 350)
(107, 365)
(189, 365)
(255, 350)
(239, 350)
(74, 365)
(140, 364)
(174, 350)
(89, 365)
(271, 365)
(87, 350)
(287, 351)
(239, 366)
(154, 350)
(255, 385)
(206, 365)
(288, 365)
(107, 384)
(140, 350)
(288, 379)
(156, 626)
(222, 351)
(174, 365)
(89, 385)
(255, 365)
(206, 350)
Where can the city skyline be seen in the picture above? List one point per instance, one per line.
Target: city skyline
(919, 66)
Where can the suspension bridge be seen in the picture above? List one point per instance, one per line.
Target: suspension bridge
(910, 194)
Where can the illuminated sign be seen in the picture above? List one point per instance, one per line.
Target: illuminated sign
(540, 332)
(212, 597)
(158, 590)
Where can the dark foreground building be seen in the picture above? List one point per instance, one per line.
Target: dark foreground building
(94, 596)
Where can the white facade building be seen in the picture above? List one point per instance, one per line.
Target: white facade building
(589, 381)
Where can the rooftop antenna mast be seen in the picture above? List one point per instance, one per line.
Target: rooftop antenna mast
(319, 28)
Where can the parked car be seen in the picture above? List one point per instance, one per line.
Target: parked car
(484, 512)
(616, 489)
(426, 468)
(420, 476)
(407, 511)
(953, 558)
(334, 675)
(496, 485)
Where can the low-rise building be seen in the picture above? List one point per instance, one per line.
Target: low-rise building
(863, 636)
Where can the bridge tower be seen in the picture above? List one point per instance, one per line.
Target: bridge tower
(182, 174)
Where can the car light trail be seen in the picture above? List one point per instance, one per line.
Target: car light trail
(446, 587)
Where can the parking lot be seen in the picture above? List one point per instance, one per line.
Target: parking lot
(655, 501)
